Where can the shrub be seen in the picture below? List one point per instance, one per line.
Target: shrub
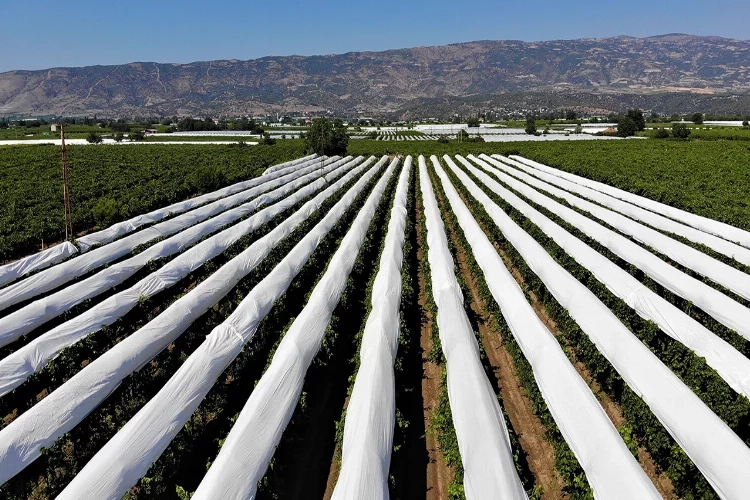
(94, 138)
(530, 126)
(661, 133)
(680, 131)
(206, 178)
(108, 211)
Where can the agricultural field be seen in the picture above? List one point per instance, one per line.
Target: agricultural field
(413, 320)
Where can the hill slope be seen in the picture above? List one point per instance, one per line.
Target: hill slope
(385, 81)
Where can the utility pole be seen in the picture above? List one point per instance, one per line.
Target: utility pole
(66, 188)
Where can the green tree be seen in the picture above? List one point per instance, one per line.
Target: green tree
(571, 115)
(268, 140)
(746, 123)
(681, 131)
(626, 127)
(136, 136)
(661, 133)
(530, 126)
(327, 137)
(697, 118)
(637, 116)
(118, 136)
(473, 121)
(94, 138)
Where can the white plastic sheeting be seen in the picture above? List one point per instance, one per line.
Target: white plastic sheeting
(729, 363)
(483, 442)
(610, 468)
(42, 310)
(52, 278)
(711, 226)
(122, 228)
(293, 163)
(19, 365)
(718, 453)
(249, 447)
(720, 245)
(727, 311)
(53, 255)
(39, 427)
(129, 454)
(371, 412)
(45, 258)
(703, 264)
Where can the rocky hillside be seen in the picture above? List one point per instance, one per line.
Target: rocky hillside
(388, 80)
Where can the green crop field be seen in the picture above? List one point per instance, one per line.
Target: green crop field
(711, 178)
(135, 178)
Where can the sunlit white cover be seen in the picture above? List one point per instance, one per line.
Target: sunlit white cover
(44, 309)
(723, 274)
(58, 253)
(39, 427)
(483, 442)
(130, 453)
(720, 245)
(724, 309)
(19, 365)
(56, 276)
(719, 453)
(711, 226)
(371, 412)
(249, 447)
(729, 363)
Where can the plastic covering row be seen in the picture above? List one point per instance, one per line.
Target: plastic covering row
(58, 253)
(57, 276)
(731, 365)
(611, 469)
(44, 309)
(30, 358)
(371, 412)
(720, 245)
(687, 256)
(724, 309)
(726, 231)
(250, 445)
(39, 427)
(716, 450)
(483, 442)
(275, 168)
(129, 454)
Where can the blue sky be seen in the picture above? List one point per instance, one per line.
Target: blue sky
(47, 33)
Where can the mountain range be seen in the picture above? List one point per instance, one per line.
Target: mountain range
(593, 73)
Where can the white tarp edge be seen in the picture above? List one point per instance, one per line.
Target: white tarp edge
(610, 468)
(129, 454)
(39, 427)
(729, 363)
(705, 265)
(249, 447)
(44, 309)
(711, 226)
(276, 168)
(483, 442)
(727, 311)
(720, 245)
(19, 365)
(54, 277)
(371, 412)
(53, 255)
(45, 258)
(718, 453)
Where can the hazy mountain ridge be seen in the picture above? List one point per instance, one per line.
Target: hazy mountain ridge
(387, 80)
